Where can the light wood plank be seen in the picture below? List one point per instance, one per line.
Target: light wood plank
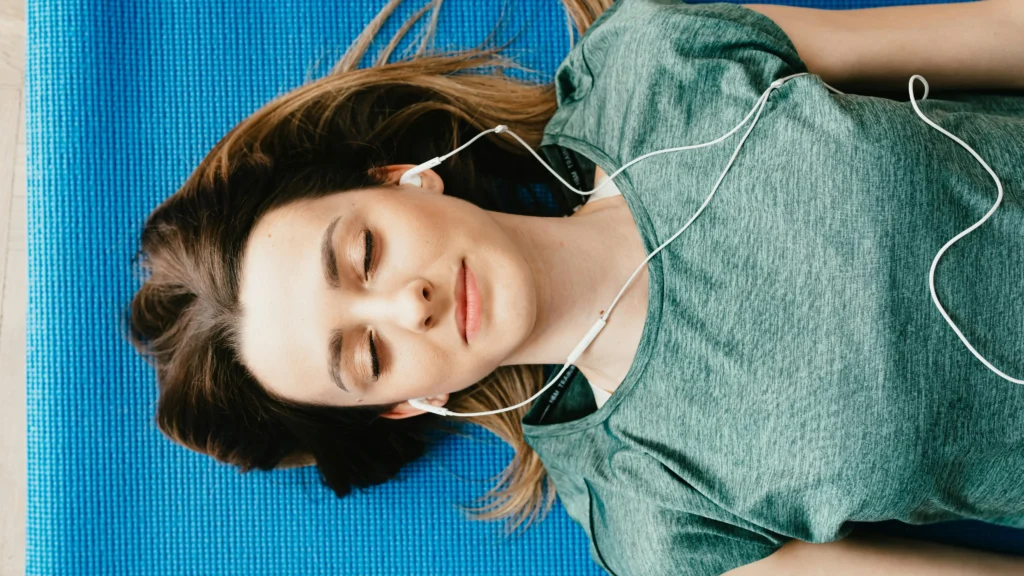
(13, 304)
(16, 233)
(13, 289)
(13, 458)
(10, 111)
(12, 11)
(19, 152)
(19, 172)
(12, 43)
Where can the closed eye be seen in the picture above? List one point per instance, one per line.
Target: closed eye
(376, 360)
(367, 260)
(368, 254)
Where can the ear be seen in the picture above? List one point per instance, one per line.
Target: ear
(431, 181)
(406, 410)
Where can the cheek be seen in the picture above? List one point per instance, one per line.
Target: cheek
(424, 368)
(438, 362)
(415, 232)
(437, 230)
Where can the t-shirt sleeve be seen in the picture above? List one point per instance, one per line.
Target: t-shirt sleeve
(698, 67)
(639, 537)
(654, 37)
(715, 32)
(733, 31)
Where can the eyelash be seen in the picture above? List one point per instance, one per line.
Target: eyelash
(368, 253)
(367, 259)
(376, 361)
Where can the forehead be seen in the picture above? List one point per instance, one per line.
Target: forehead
(282, 293)
(298, 220)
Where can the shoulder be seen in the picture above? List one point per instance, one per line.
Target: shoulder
(665, 45)
(676, 21)
(670, 541)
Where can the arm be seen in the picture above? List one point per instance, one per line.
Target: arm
(862, 553)
(970, 45)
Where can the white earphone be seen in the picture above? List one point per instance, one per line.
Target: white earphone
(412, 176)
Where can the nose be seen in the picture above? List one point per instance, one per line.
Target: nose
(414, 306)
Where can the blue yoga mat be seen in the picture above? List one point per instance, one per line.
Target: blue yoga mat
(123, 100)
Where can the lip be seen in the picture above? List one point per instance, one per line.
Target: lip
(460, 302)
(472, 321)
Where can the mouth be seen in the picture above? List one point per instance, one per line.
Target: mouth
(472, 323)
(460, 302)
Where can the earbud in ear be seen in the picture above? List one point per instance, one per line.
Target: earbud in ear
(423, 405)
(411, 177)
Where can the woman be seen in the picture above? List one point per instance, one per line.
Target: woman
(776, 375)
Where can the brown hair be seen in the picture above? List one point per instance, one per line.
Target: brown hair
(330, 135)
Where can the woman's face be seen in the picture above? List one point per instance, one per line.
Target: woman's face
(299, 327)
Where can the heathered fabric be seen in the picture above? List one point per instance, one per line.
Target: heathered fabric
(794, 375)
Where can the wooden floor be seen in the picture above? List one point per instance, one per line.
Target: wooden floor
(13, 287)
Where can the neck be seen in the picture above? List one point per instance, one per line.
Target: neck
(579, 264)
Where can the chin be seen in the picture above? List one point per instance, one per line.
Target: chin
(509, 319)
(507, 281)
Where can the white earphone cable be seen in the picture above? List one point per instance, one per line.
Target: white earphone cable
(603, 320)
(758, 108)
(935, 262)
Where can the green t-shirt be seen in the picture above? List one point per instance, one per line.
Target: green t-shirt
(794, 376)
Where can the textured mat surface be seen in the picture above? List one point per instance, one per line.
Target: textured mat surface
(123, 100)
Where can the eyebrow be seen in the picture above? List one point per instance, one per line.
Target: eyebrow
(330, 265)
(334, 368)
(327, 256)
